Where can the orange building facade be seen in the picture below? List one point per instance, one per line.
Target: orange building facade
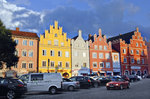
(100, 55)
(133, 53)
(148, 50)
(27, 51)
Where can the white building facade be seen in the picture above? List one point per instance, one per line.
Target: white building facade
(80, 55)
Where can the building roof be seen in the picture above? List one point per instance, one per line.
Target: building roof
(126, 37)
(22, 33)
(114, 50)
(75, 37)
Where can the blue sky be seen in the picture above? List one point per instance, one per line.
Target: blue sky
(112, 16)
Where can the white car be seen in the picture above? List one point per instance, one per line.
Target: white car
(43, 82)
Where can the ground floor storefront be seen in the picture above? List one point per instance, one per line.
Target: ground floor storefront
(134, 70)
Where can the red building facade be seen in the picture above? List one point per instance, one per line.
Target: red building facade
(100, 54)
(133, 52)
(148, 50)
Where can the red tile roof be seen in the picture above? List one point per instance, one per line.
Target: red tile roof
(22, 33)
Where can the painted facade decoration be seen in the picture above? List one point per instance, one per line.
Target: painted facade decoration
(100, 54)
(55, 51)
(116, 62)
(80, 56)
(133, 52)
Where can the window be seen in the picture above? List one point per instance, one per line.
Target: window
(67, 64)
(107, 64)
(84, 54)
(62, 43)
(95, 47)
(44, 63)
(100, 39)
(138, 61)
(101, 64)
(59, 53)
(140, 44)
(94, 64)
(137, 51)
(56, 42)
(142, 52)
(132, 60)
(59, 64)
(107, 55)
(49, 42)
(101, 55)
(94, 55)
(25, 42)
(52, 64)
(125, 60)
(136, 44)
(124, 51)
(30, 53)
(52, 53)
(100, 47)
(16, 53)
(30, 43)
(30, 65)
(75, 53)
(36, 77)
(16, 66)
(56, 35)
(24, 53)
(17, 41)
(23, 65)
(67, 54)
(105, 47)
(44, 52)
(84, 64)
(131, 51)
(142, 61)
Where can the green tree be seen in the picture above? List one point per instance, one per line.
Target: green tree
(7, 48)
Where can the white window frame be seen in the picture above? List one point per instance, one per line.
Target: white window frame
(101, 55)
(24, 42)
(132, 52)
(132, 60)
(84, 54)
(66, 54)
(56, 43)
(49, 42)
(95, 47)
(51, 64)
(24, 55)
(30, 53)
(124, 51)
(44, 52)
(66, 65)
(107, 64)
(17, 41)
(100, 64)
(94, 55)
(25, 64)
(60, 53)
(143, 61)
(93, 64)
(100, 47)
(138, 61)
(45, 63)
(124, 60)
(52, 53)
(107, 56)
(29, 64)
(31, 43)
(105, 47)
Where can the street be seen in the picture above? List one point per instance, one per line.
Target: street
(138, 90)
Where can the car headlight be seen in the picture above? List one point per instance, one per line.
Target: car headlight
(107, 84)
(117, 84)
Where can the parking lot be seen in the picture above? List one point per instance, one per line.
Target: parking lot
(138, 90)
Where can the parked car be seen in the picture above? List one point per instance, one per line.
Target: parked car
(51, 82)
(117, 84)
(132, 78)
(85, 81)
(11, 87)
(104, 80)
(70, 85)
(148, 76)
(125, 78)
(139, 77)
(95, 83)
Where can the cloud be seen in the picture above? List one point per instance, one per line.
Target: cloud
(108, 15)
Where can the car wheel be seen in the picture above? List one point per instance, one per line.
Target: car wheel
(121, 87)
(108, 88)
(10, 94)
(70, 88)
(96, 85)
(128, 86)
(53, 90)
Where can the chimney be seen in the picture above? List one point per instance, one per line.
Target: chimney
(90, 36)
(80, 33)
(17, 28)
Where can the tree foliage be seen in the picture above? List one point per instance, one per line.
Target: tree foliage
(7, 47)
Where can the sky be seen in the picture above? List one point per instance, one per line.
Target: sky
(114, 17)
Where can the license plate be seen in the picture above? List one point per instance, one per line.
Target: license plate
(111, 86)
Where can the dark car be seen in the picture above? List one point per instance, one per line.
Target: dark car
(84, 81)
(95, 83)
(125, 78)
(117, 84)
(11, 88)
(104, 80)
(132, 78)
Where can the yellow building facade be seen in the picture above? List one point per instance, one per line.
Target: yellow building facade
(55, 51)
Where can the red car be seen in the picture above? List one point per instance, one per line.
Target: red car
(117, 84)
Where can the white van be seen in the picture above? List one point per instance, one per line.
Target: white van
(42, 81)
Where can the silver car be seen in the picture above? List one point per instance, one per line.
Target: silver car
(70, 85)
